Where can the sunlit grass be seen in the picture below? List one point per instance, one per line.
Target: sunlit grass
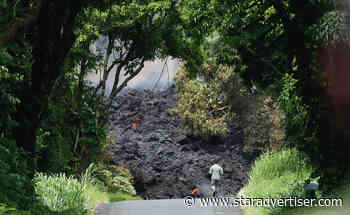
(267, 180)
(60, 193)
(342, 192)
(69, 195)
(276, 175)
(96, 195)
(120, 196)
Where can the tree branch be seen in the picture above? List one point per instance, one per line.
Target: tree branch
(115, 91)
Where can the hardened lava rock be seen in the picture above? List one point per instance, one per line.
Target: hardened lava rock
(165, 158)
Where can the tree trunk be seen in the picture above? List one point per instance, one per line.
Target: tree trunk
(53, 39)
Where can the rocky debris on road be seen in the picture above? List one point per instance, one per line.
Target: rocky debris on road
(166, 159)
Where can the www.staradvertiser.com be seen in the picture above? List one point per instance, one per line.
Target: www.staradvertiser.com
(263, 202)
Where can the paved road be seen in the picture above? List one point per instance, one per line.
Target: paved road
(162, 207)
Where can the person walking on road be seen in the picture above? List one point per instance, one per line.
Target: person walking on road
(215, 171)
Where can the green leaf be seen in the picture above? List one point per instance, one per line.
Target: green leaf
(4, 4)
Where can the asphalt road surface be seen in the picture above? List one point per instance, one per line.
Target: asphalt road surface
(163, 207)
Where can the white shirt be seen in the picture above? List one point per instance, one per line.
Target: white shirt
(216, 171)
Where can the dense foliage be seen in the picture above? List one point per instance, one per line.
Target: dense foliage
(217, 99)
(116, 179)
(52, 121)
(203, 104)
(278, 41)
(276, 45)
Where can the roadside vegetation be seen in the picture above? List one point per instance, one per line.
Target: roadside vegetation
(342, 191)
(298, 139)
(263, 63)
(203, 105)
(62, 194)
(53, 123)
(277, 175)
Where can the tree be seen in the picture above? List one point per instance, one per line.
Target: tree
(138, 31)
(47, 33)
(274, 41)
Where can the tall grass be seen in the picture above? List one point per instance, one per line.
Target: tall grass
(88, 177)
(60, 192)
(277, 175)
(96, 195)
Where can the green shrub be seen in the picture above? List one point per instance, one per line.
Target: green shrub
(330, 29)
(277, 175)
(296, 113)
(55, 150)
(219, 98)
(116, 179)
(262, 122)
(202, 104)
(69, 138)
(14, 180)
(106, 156)
(5, 209)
